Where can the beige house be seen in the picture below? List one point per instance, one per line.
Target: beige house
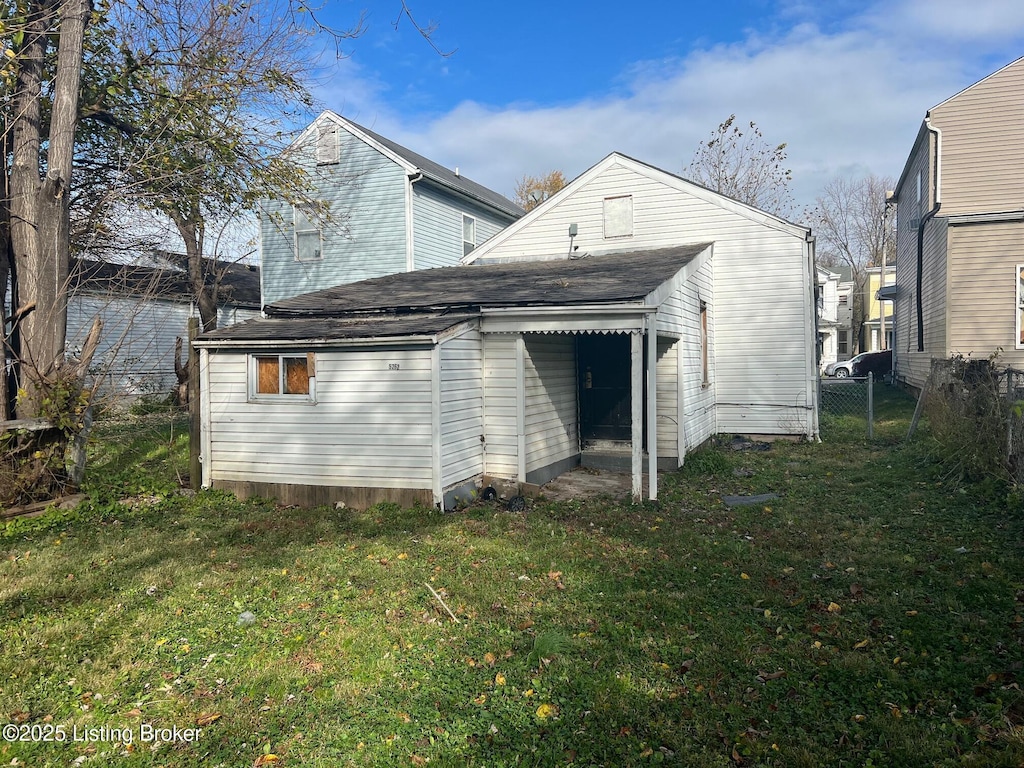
(960, 220)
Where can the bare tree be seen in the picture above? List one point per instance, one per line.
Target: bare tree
(531, 191)
(855, 231)
(738, 162)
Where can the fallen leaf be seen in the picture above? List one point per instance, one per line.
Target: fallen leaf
(647, 752)
(203, 720)
(133, 713)
(834, 608)
(524, 625)
(404, 556)
(765, 676)
(911, 613)
(862, 644)
(481, 699)
(499, 679)
(490, 658)
(417, 760)
(744, 576)
(736, 757)
(268, 759)
(545, 711)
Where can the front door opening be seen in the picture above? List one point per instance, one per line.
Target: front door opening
(604, 386)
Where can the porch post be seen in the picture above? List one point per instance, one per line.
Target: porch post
(636, 399)
(652, 410)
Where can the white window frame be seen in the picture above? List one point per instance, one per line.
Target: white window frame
(300, 398)
(304, 226)
(468, 246)
(618, 217)
(1019, 325)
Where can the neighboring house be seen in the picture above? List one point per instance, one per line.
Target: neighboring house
(828, 317)
(874, 321)
(960, 230)
(846, 346)
(144, 309)
(390, 210)
(633, 311)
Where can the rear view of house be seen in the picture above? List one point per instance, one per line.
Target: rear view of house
(633, 312)
(960, 219)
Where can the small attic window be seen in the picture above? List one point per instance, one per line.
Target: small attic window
(618, 216)
(468, 234)
(309, 237)
(327, 152)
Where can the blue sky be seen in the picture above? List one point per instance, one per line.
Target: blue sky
(534, 86)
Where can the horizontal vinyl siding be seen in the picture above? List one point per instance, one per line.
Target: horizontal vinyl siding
(500, 408)
(668, 404)
(462, 409)
(370, 426)
(762, 294)
(983, 145)
(136, 351)
(552, 432)
(982, 290)
(366, 195)
(437, 226)
(698, 402)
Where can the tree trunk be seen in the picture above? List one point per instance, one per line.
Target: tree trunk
(39, 207)
(204, 291)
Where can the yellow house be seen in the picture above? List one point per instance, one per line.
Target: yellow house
(873, 326)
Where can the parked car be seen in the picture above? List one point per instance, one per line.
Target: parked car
(878, 363)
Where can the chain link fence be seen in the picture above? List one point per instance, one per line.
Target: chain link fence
(846, 406)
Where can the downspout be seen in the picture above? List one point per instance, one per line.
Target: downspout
(410, 262)
(814, 365)
(920, 229)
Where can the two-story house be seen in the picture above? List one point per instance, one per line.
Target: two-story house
(388, 210)
(878, 317)
(828, 317)
(960, 222)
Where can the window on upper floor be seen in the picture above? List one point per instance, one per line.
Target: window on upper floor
(468, 234)
(282, 377)
(843, 343)
(618, 216)
(1020, 306)
(309, 237)
(327, 149)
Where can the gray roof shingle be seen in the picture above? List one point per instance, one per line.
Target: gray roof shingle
(606, 279)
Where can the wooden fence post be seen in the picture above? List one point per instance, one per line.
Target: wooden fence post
(195, 469)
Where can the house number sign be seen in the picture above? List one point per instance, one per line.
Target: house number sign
(394, 366)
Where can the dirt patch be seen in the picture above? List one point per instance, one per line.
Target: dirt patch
(587, 483)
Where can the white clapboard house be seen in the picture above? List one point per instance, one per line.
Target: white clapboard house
(632, 311)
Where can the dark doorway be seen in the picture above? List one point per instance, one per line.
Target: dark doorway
(605, 402)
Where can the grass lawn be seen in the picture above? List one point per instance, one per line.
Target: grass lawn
(872, 615)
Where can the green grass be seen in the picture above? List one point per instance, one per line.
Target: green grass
(869, 616)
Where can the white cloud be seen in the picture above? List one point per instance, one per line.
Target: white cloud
(846, 94)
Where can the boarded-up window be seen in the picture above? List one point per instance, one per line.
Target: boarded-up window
(282, 375)
(327, 151)
(618, 216)
(705, 376)
(308, 237)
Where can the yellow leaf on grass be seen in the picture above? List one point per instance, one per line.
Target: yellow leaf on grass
(206, 719)
(499, 679)
(834, 608)
(744, 576)
(545, 711)
(403, 556)
(490, 658)
(862, 644)
(268, 759)
(481, 699)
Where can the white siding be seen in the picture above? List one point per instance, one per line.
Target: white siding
(668, 390)
(370, 426)
(763, 304)
(698, 399)
(552, 431)
(462, 409)
(500, 407)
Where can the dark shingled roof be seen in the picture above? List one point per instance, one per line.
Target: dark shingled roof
(240, 284)
(330, 328)
(438, 173)
(608, 279)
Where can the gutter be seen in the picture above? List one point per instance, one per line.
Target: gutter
(363, 341)
(921, 227)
